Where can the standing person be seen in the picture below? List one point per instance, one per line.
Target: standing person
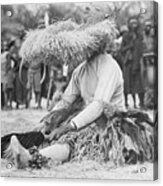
(34, 77)
(148, 39)
(33, 83)
(59, 83)
(7, 74)
(148, 49)
(20, 92)
(131, 49)
(149, 63)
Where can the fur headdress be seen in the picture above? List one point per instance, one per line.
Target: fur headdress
(66, 42)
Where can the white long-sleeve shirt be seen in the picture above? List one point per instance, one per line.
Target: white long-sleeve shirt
(98, 81)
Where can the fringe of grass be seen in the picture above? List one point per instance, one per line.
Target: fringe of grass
(66, 42)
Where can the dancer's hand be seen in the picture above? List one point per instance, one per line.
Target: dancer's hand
(54, 135)
(57, 133)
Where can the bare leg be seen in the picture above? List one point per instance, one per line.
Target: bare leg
(10, 93)
(17, 105)
(126, 100)
(141, 98)
(4, 88)
(38, 99)
(134, 99)
(5, 100)
(29, 96)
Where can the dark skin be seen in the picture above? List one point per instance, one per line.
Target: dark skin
(133, 27)
(8, 93)
(57, 133)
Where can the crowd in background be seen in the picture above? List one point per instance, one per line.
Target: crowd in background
(136, 55)
(134, 51)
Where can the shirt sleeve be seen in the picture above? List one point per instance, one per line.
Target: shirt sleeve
(70, 94)
(108, 80)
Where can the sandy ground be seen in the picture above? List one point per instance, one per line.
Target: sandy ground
(24, 120)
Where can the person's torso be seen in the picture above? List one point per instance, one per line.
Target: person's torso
(4, 66)
(88, 78)
(148, 44)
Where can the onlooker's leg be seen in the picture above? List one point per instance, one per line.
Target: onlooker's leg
(126, 99)
(37, 88)
(2, 97)
(29, 88)
(134, 100)
(5, 95)
(141, 99)
(10, 97)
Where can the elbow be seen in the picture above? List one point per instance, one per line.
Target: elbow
(99, 106)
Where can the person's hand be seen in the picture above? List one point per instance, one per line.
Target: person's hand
(57, 133)
(54, 135)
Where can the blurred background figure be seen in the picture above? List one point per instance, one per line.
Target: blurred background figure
(20, 91)
(33, 84)
(148, 48)
(148, 38)
(58, 83)
(117, 54)
(34, 78)
(132, 51)
(149, 64)
(7, 74)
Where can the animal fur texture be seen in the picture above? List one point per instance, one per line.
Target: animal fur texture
(66, 42)
(125, 137)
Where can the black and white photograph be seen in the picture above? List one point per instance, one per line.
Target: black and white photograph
(79, 90)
